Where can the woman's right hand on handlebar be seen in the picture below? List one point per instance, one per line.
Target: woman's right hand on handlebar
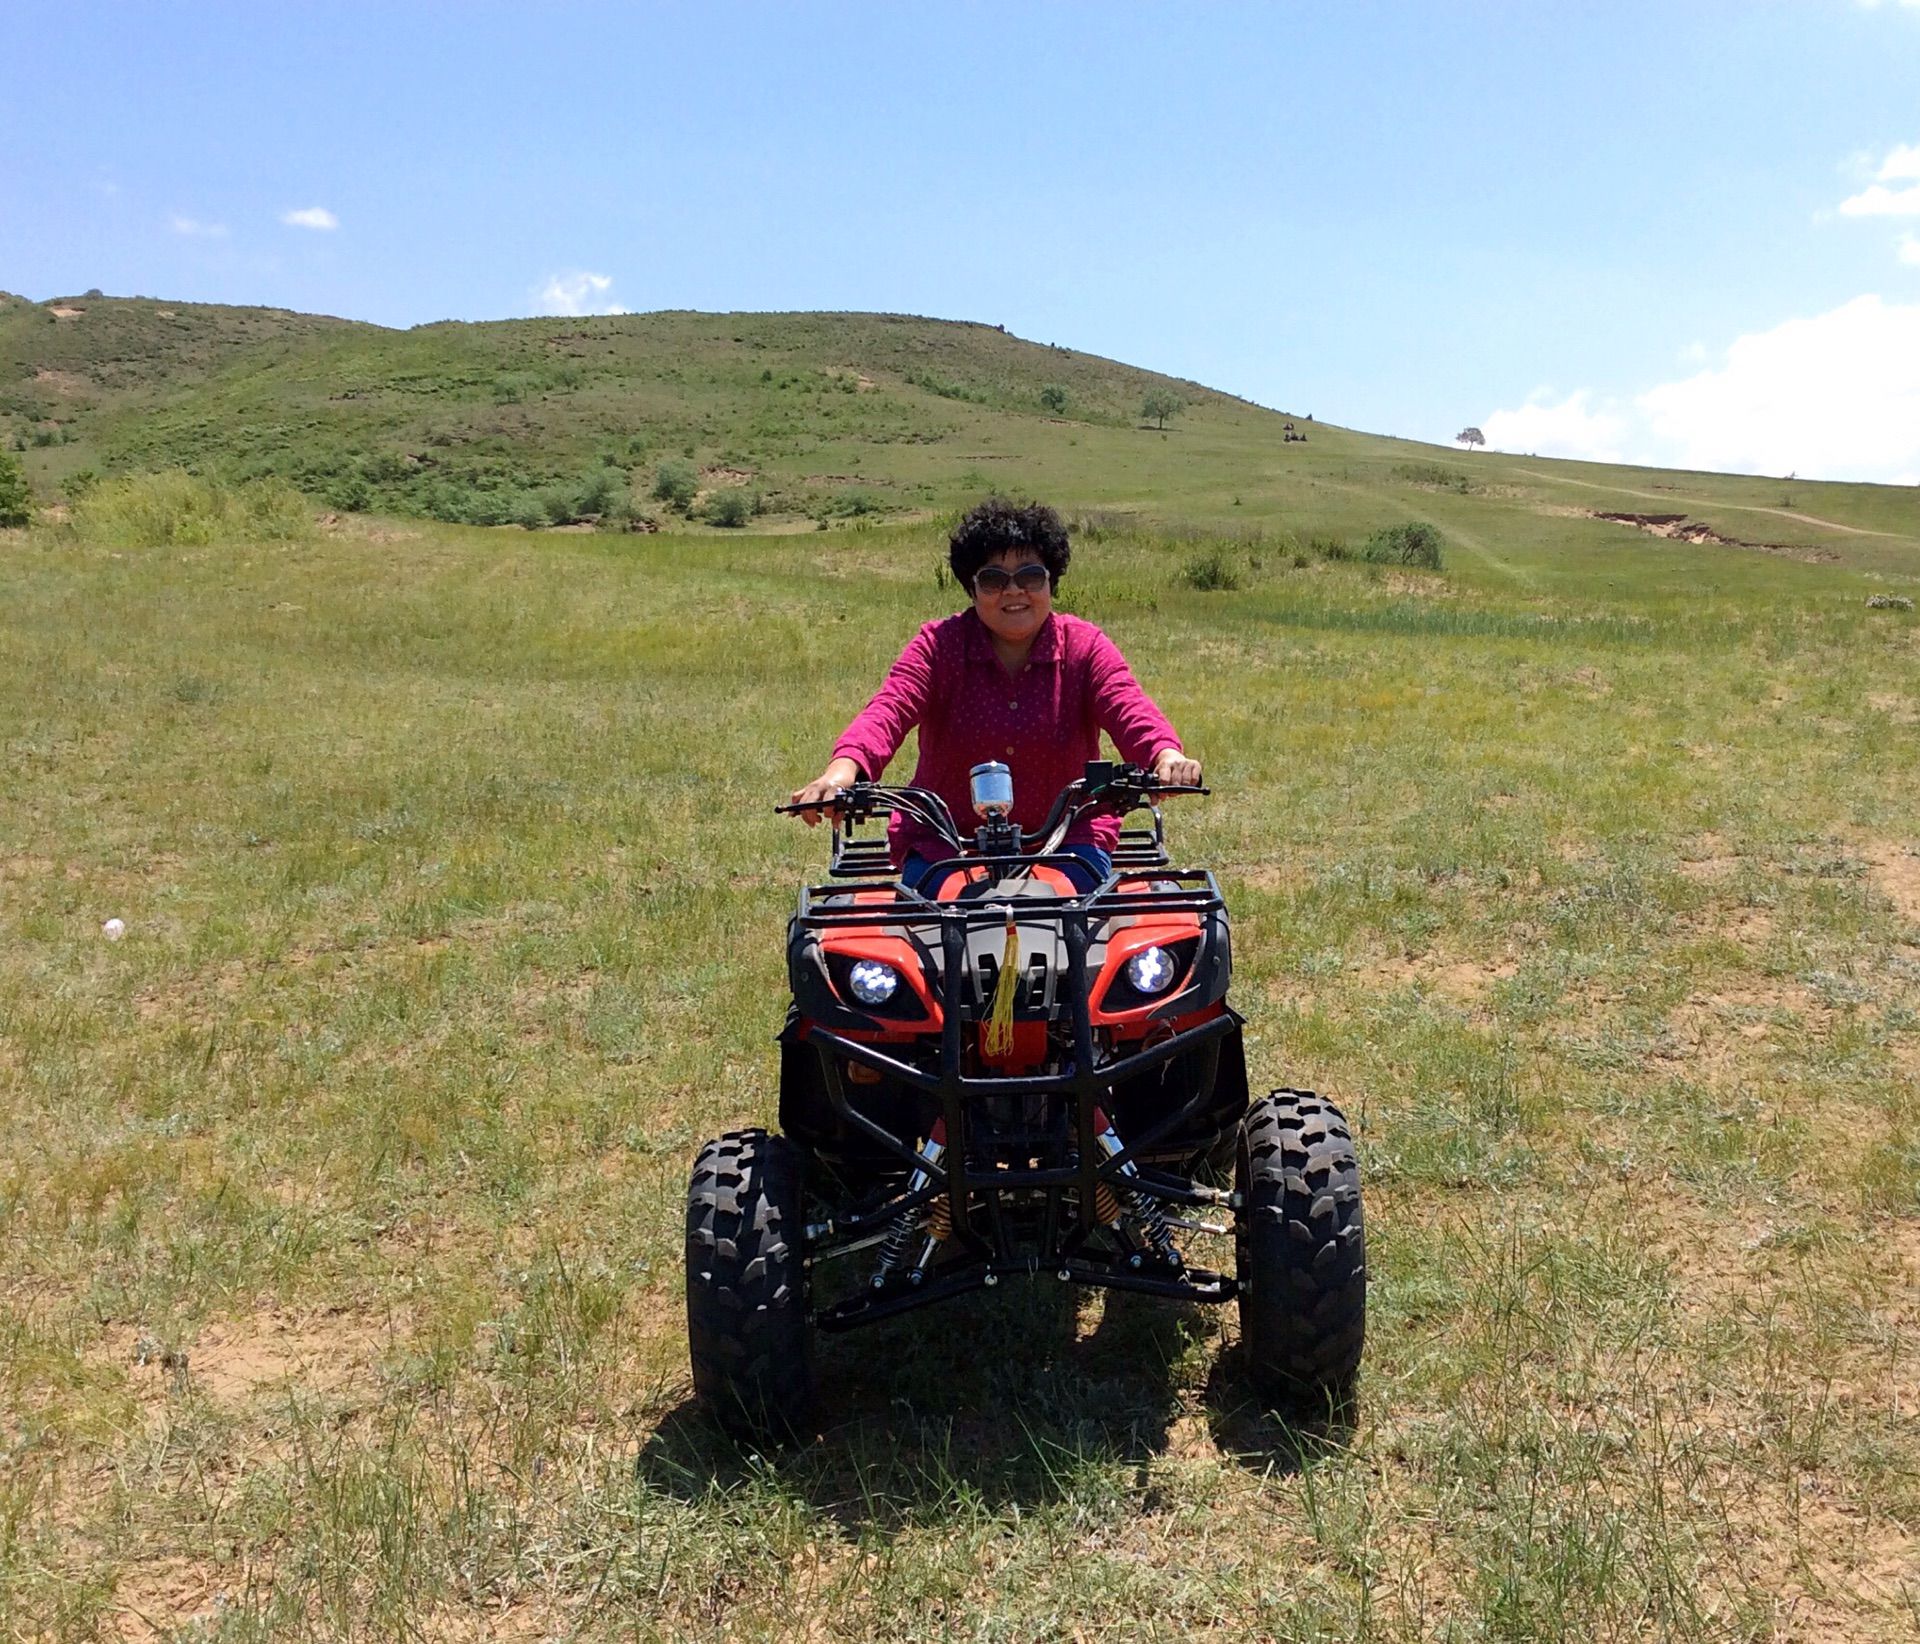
(840, 775)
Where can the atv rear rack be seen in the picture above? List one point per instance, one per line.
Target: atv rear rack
(1068, 1245)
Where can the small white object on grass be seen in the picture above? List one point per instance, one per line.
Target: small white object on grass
(114, 929)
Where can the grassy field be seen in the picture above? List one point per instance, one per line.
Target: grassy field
(339, 1294)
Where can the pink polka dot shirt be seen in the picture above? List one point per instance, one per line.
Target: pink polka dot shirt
(1045, 725)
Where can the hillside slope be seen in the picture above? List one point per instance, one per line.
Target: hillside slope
(823, 416)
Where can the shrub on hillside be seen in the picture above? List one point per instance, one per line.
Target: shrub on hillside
(349, 491)
(1329, 545)
(851, 504)
(731, 506)
(176, 508)
(676, 484)
(1054, 398)
(1213, 571)
(1416, 544)
(603, 492)
(16, 501)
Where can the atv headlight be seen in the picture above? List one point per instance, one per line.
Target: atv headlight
(1151, 971)
(871, 982)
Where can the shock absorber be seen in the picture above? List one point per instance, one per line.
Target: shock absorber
(1143, 1210)
(894, 1250)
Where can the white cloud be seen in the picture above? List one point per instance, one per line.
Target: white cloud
(1835, 395)
(1910, 249)
(1902, 165)
(1695, 353)
(310, 217)
(1878, 200)
(1568, 429)
(193, 229)
(577, 294)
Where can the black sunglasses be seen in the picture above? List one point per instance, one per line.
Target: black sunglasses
(994, 579)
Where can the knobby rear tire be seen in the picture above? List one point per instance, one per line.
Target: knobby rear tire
(1301, 1245)
(747, 1329)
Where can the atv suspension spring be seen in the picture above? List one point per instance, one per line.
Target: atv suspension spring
(894, 1250)
(1152, 1221)
(1142, 1209)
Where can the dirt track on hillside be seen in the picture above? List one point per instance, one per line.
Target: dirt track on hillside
(1708, 502)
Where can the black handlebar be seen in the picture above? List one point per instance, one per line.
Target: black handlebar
(1104, 786)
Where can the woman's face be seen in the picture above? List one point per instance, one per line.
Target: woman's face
(1013, 613)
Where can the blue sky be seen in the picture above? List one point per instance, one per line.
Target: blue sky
(1676, 233)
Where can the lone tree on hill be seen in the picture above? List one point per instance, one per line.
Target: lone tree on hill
(1470, 437)
(1160, 404)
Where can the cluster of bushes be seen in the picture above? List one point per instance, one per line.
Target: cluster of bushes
(468, 488)
(947, 389)
(178, 509)
(1415, 544)
(852, 503)
(47, 433)
(1222, 565)
(1430, 476)
(16, 501)
(677, 484)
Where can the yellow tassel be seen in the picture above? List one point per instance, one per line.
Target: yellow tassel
(999, 1035)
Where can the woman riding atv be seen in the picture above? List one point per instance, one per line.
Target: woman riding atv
(1022, 1065)
(1009, 680)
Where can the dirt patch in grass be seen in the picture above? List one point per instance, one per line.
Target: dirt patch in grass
(1707, 859)
(163, 1597)
(237, 1360)
(61, 382)
(1459, 981)
(1896, 875)
(63, 311)
(1678, 528)
(1709, 1031)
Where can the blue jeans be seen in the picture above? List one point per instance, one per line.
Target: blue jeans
(1089, 866)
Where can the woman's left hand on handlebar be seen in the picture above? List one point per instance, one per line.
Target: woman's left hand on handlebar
(824, 789)
(1173, 769)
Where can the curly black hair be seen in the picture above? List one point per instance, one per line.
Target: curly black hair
(999, 524)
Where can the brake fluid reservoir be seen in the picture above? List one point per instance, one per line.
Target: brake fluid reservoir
(992, 788)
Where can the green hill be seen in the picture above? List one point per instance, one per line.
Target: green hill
(818, 417)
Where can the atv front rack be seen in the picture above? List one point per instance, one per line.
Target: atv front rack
(980, 1248)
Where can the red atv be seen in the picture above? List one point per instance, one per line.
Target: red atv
(998, 1074)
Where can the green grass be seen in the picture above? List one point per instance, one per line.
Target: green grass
(339, 1294)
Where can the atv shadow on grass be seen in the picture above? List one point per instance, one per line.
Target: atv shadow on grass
(1000, 1399)
(1015, 1398)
